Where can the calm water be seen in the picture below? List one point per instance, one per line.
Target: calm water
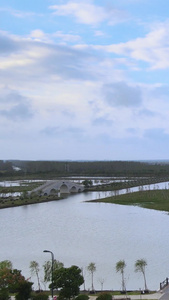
(79, 233)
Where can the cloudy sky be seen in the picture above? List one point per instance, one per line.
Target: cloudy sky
(84, 79)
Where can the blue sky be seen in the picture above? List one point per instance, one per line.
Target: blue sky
(84, 80)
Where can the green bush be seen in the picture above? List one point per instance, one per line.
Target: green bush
(40, 296)
(104, 296)
(4, 294)
(24, 290)
(82, 297)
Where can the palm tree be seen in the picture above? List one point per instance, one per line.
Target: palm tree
(140, 266)
(34, 267)
(48, 268)
(120, 266)
(92, 268)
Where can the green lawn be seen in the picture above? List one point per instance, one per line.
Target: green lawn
(152, 199)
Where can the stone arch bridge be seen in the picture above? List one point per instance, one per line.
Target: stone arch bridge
(54, 187)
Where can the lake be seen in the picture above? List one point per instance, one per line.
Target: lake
(79, 232)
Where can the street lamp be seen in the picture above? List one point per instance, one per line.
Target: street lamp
(52, 267)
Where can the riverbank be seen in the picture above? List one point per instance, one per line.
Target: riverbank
(150, 199)
(147, 196)
(14, 202)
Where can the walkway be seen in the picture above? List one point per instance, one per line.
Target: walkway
(165, 294)
(154, 296)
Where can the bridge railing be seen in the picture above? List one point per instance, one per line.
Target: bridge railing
(164, 283)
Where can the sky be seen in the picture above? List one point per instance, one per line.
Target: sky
(84, 79)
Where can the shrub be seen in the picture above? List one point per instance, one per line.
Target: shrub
(40, 296)
(4, 294)
(24, 290)
(104, 296)
(82, 297)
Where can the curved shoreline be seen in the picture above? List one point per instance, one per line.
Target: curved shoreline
(15, 203)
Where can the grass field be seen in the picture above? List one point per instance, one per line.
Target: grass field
(152, 199)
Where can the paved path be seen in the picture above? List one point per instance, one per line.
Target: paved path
(154, 296)
(165, 294)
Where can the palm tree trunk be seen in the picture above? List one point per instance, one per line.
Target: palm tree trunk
(92, 283)
(145, 283)
(123, 282)
(38, 280)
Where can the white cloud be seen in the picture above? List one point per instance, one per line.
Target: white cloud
(87, 13)
(99, 33)
(152, 49)
(18, 13)
(39, 36)
(66, 37)
(84, 12)
(76, 89)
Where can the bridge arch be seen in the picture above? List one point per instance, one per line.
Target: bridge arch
(73, 189)
(53, 191)
(64, 188)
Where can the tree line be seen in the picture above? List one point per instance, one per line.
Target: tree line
(66, 281)
(83, 168)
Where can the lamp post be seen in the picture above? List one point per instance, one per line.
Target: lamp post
(47, 251)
